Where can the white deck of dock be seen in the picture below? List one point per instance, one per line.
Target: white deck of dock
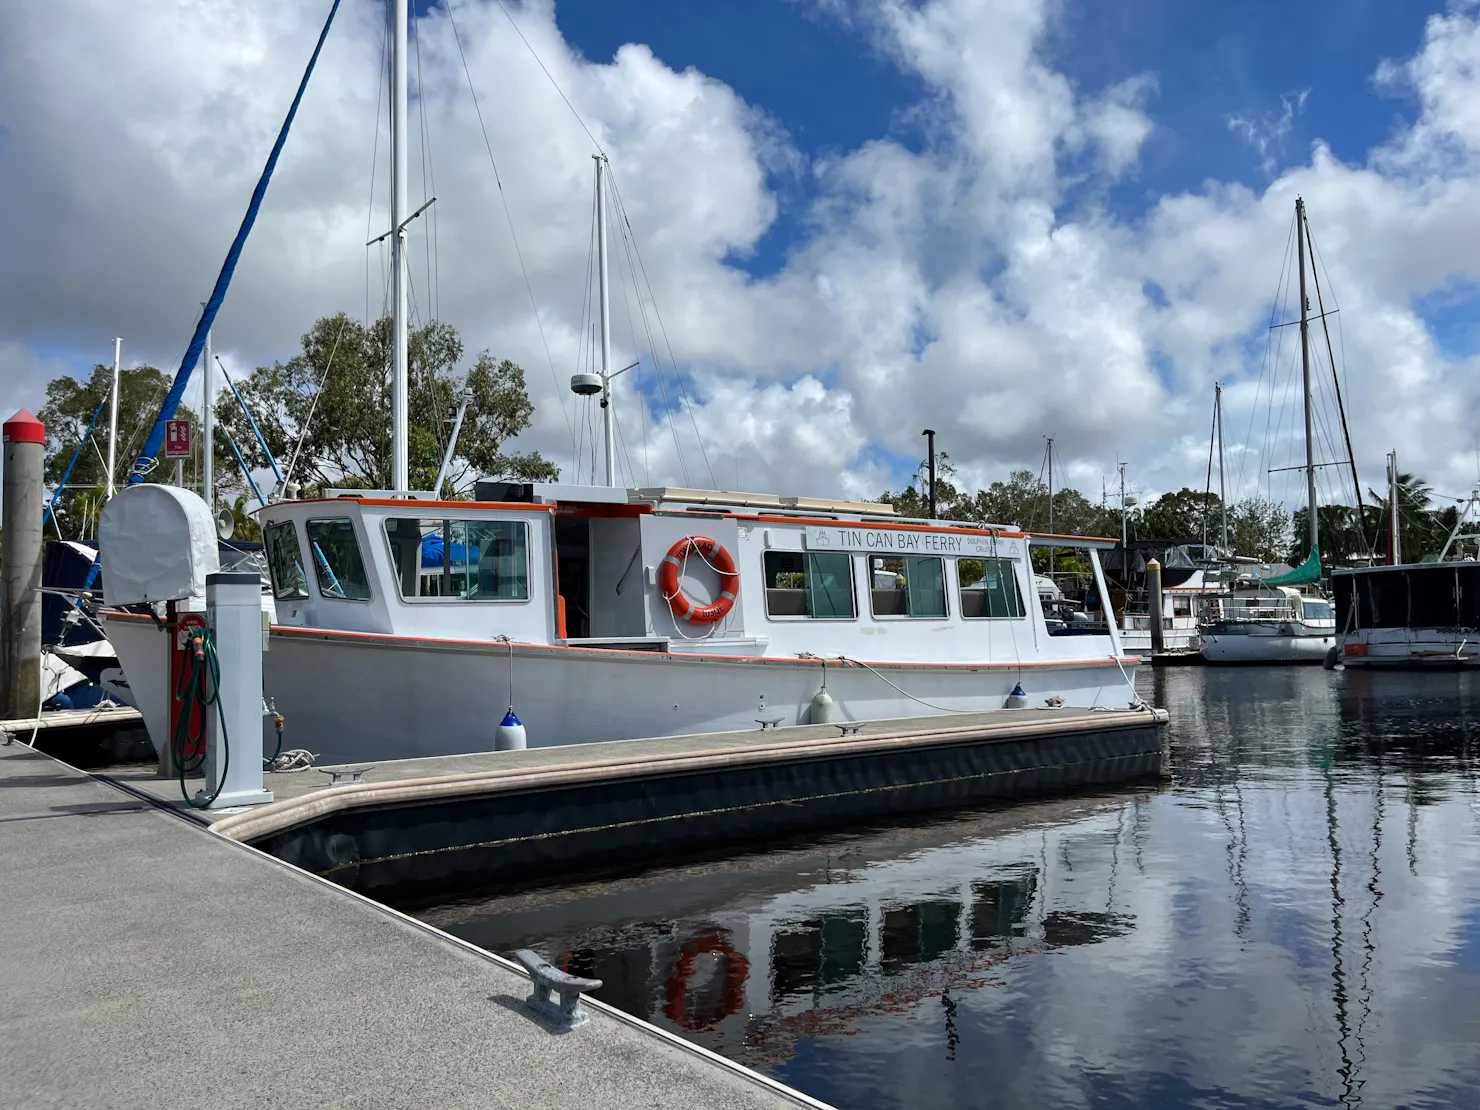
(148, 962)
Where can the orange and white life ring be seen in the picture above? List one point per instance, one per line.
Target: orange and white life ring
(731, 998)
(680, 603)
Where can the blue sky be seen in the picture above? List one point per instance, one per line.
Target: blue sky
(962, 226)
(822, 80)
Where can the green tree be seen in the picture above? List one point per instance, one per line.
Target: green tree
(1180, 516)
(70, 404)
(1258, 528)
(346, 424)
(1424, 529)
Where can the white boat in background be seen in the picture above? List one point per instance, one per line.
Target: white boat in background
(1259, 623)
(407, 627)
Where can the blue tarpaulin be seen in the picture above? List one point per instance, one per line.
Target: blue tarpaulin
(431, 552)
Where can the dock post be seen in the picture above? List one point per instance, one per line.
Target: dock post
(1153, 595)
(234, 613)
(20, 590)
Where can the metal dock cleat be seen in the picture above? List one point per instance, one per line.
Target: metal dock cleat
(546, 977)
(848, 729)
(347, 776)
(769, 722)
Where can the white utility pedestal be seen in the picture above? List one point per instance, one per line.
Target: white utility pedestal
(234, 613)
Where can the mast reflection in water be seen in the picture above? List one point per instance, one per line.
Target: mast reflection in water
(1293, 920)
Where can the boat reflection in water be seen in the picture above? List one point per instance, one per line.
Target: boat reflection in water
(1293, 920)
(870, 924)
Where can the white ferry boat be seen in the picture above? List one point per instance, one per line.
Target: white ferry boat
(407, 627)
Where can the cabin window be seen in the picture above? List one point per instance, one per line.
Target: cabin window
(989, 588)
(463, 560)
(285, 561)
(1317, 610)
(1181, 606)
(336, 560)
(804, 584)
(908, 586)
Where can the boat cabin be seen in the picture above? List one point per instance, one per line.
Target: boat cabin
(660, 569)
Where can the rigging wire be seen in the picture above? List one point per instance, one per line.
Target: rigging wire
(508, 216)
(375, 163)
(662, 330)
(628, 252)
(1264, 368)
(555, 84)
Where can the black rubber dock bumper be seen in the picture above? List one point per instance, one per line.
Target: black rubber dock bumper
(638, 802)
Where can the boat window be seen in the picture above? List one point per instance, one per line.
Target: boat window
(803, 584)
(336, 560)
(1317, 610)
(285, 561)
(1181, 605)
(466, 560)
(908, 586)
(989, 588)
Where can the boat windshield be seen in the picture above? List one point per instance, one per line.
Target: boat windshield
(460, 560)
(1317, 610)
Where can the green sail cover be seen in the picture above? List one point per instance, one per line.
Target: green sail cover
(1308, 571)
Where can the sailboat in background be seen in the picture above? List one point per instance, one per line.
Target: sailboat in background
(1285, 618)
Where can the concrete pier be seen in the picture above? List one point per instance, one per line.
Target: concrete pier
(148, 962)
(416, 829)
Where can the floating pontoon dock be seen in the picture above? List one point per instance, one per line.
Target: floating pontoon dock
(150, 963)
(413, 829)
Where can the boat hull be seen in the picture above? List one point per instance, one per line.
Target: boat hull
(353, 697)
(1266, 647)
(1137, 641)
(1412, 648)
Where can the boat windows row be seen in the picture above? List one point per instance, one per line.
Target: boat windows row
(469, 560)
(488, 560)
(820, 586)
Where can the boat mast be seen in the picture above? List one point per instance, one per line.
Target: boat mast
(1050, 504)
(1222, 489)
(1122, 512)
(1395, 550)
(400, 460)
(1310, 447)
(607, 416)
(113, 415)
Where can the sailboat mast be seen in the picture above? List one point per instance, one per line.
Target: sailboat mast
(1050, 503)
(400, 460)
(113, 415)
(1310, 446)
(1222, 488)
(607, 416)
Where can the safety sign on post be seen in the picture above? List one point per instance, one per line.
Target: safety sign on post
(177, 439)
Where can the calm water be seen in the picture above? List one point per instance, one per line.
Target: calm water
(1292, 919)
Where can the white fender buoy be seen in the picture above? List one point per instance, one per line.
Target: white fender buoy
(1017, 699)
(822, 708)
(509, 736)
